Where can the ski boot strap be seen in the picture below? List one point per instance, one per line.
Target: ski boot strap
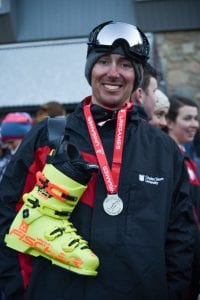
(54, 190)
(46, 208)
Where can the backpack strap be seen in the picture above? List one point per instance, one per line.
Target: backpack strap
(56, 130)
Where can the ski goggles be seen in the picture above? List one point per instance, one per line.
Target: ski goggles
(111, 34)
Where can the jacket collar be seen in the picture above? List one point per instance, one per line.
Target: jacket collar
(101, 114)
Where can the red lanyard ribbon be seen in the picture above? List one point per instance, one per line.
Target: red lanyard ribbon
(110, 176)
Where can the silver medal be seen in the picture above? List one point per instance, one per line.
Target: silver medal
(113, 205)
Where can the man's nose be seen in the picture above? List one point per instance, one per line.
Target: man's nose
(113, 70)
(163, 122)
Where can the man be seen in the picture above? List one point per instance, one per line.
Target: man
(145, 96)
(134, 213)
(161, 109)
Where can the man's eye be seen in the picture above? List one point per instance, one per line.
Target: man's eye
(187, 118)
(103, 61)
(159, 114)
(127, 65)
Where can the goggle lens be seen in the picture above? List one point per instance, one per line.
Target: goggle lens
(112, 32)
(106, 36)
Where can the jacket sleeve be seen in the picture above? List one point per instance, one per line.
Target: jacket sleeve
(180, 233)
(11, 189)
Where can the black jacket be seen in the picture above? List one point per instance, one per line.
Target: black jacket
(145, 252)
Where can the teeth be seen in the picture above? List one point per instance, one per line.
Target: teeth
(111, 87)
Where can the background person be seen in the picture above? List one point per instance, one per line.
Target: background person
(193, 150)
(144, 96)
(196, 151)
(161, 109)
(183, 124)
(14, 127)
(135, 212)
(4, 158)
(50, 109)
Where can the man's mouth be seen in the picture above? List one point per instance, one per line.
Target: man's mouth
(112, 87)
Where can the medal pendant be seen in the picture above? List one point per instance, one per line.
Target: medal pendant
(113, 205)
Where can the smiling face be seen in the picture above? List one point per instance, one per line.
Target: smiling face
(184, 128)
(112, 81)
(159, 118)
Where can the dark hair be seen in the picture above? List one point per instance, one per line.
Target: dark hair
(51, 109)
(149, 71)
(176, 102)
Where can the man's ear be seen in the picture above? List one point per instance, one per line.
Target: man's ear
(137, 96)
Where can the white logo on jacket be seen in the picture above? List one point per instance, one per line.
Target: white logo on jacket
(149, 179)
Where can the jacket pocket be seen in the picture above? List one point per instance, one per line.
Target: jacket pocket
(146, 208)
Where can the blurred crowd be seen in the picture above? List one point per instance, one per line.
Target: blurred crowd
(15, 125)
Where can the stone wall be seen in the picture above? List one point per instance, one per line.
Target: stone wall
(180, 62)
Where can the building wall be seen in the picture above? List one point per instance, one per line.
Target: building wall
(41, 20)
(167, 15)
(180, 60)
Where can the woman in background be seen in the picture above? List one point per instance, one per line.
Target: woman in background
(182, 123)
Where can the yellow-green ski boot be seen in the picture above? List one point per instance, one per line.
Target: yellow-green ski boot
(42, 226)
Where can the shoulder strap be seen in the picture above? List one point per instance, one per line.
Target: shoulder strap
(56, 130)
